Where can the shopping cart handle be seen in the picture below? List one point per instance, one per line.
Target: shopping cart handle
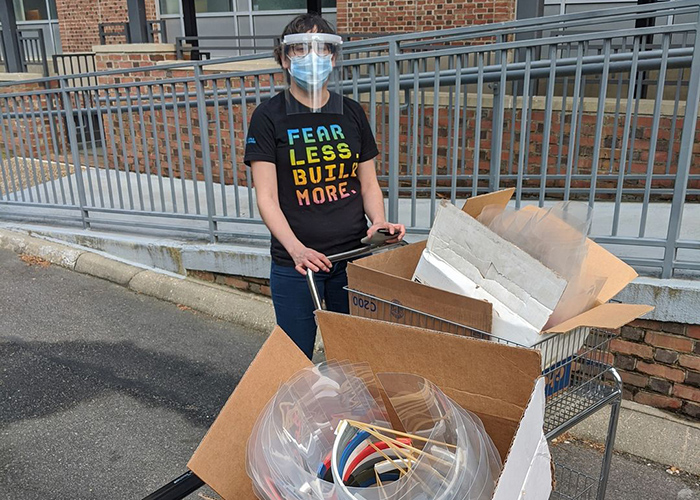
(350, 254)
(178, 488)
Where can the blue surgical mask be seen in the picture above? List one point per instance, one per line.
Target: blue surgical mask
(311, 71)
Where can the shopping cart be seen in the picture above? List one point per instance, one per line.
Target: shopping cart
(578, 370)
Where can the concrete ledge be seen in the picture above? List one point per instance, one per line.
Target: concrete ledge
(253, 65)
(175, 256)
(105, 268)
(674, 300)
(60, 255)
(19, 77)
(130, 48)
(244, 309)
(649, 433)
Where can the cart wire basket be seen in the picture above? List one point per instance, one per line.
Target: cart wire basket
(573, 485)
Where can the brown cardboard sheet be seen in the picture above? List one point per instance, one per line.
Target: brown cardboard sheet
(600, 262)
(493, 378)
(442, 304)
(473, 206)
(609, 316)
(220, 459)
(618, 273)
(400, 262)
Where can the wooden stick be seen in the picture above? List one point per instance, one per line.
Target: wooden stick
(370, 430)
(399, 433)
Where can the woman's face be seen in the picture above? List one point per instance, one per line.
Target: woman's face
(300, 50)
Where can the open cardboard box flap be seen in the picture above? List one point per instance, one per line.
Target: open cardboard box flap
(220, 459)
(503, 381)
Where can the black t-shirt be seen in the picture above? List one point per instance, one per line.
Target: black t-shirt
(316, 156)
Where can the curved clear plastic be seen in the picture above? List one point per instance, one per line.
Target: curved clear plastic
(320, 414)
(313, 62)
(555, 236)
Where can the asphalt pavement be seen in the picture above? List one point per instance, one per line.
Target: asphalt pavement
(105, 393)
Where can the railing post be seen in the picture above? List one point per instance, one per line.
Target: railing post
(178, 48)
(10, 37)
(42, 52)
(75, 154)
(394, 126)
(497, 124)
(206, 153)
(685, 158)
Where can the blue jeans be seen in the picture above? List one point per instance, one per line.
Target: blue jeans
(294, 307)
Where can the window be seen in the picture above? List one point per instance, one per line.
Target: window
(169, 7)
(288, 4)
(31, 10)
(201, 6)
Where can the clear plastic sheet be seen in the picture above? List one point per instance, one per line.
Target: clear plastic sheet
(316, 419)
(555, 236)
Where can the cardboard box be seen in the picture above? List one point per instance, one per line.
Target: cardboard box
(388, 276)
(511, 405)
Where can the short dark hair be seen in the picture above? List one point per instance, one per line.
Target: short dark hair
(303, 23)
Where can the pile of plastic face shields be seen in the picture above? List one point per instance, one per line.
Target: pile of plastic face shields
(326, 435)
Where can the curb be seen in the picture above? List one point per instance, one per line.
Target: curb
(237, 307)
(247, 310)
(108, 269)
(649, 433)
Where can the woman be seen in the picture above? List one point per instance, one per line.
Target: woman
(312, 155)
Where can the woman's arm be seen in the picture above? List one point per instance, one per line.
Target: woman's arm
(373, 201)
(265, 180)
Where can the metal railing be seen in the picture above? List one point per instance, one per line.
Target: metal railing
(76, 63)
(455, 112)
(224, 45)
(118, 32)
(32, 50)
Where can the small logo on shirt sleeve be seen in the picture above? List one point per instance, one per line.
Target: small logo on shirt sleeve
(250, 140)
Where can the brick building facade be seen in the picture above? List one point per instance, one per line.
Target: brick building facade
(372, 16)
(79, 20)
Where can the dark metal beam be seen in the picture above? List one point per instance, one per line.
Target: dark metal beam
(138, 25)
(527, 9)
(314, 6)
(189, 20)
(10, 37)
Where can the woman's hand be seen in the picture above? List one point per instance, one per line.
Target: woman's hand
(309, 258)
(396, 229)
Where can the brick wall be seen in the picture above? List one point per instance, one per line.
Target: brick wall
(79, 21)
(660, 365)
(29, 146)
(165, 130)
(370, 16)
(242, 283)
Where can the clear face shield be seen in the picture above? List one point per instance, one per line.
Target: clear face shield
(313, 61)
